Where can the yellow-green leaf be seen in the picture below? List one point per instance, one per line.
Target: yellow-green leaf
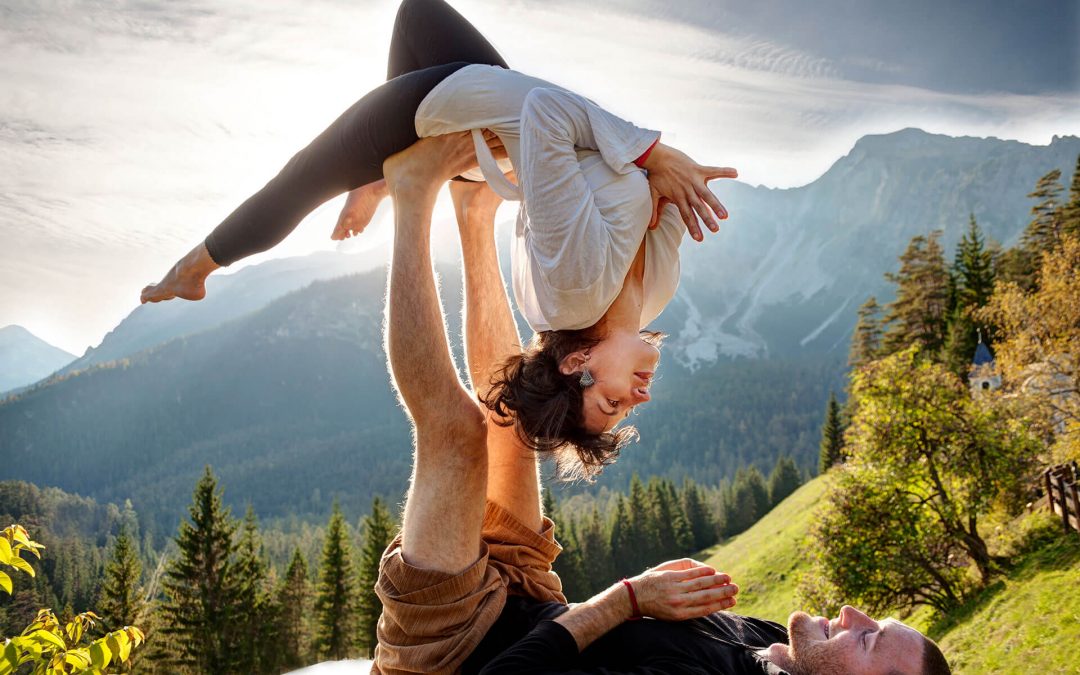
(9, 661)
(125, 645)
(74, 631)
(20, 535)
(78, 658)
(20, 564)
(5, 551)
(5, 581)
(46, 636)
(100, 654)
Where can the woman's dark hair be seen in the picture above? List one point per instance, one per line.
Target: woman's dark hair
(546, 407)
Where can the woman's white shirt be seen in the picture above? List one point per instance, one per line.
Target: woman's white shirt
(585, 205)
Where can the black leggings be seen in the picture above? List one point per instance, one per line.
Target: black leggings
(430, 42)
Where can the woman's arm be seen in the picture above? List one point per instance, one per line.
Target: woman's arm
(569, 119)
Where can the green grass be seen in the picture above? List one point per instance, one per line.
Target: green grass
(1028, 621)
(765, 561)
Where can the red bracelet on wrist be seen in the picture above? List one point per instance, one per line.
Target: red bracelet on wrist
(633, 601)
(640, 161)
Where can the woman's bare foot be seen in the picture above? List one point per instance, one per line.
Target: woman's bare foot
(186, 279)
(359, 208)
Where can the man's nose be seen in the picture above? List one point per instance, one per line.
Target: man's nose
(853, 618)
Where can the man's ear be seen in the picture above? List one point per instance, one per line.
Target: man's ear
(573, 363)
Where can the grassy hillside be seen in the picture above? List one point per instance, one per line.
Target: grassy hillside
(1027, 622)
(766, 559)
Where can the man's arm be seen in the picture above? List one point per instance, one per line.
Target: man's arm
(675, 591)
(491, 337)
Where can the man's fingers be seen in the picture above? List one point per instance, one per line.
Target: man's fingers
(693, 573)
(714, 172)
(703, 582)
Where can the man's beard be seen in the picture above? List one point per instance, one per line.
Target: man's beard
(810, 655)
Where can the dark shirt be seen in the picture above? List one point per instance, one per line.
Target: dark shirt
(532, 644)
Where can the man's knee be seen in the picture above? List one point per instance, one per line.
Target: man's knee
(461, 426)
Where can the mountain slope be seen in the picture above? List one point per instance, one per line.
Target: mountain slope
(788, 270)
(26, 358)
(1023, 623)
(278, 402)
(292, 406)
(228, 297)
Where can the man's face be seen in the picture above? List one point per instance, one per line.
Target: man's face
(850, 643)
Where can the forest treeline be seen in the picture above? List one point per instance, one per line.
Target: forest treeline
(940, 442)
(229, 596)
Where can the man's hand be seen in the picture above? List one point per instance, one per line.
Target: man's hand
(683, 589)
(675, 178)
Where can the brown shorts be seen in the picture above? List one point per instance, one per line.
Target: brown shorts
(431, 621)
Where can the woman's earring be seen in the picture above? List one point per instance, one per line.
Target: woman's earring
(586, 378)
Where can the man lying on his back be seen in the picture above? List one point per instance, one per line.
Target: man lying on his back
(467, 586)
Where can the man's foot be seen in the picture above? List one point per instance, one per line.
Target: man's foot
(186, 280)
(359, 208)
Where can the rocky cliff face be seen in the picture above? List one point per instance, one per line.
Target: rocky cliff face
(790, 267)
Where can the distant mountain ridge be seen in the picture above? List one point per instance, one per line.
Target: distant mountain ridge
(26, 358)
(788, 270)
(228, 296)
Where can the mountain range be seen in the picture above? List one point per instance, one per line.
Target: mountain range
(26, 358)
(278, 378)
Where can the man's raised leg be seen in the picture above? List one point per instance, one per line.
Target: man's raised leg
(445, 503)
(491, 337)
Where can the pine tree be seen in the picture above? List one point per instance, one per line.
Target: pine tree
(595, 548)
(1070, 213)
(661, 518)
(642, 536)
(252, 623)
(702, 525)
(200, 585)
(832, 437)
(569, 565)
(783, 480)
(335, 601)
(621, 541)
(1044, 231)
(120, 600)
(866, 342)
(294, 600)
(740, 505)
(921, 308)
(973, 269)
(378, 530)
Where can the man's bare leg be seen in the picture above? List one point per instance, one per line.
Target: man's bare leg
(445, 505)
(491, 337)
(359, 208)
(186, 279)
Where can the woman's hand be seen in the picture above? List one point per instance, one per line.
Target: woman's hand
(675, 178)
(683, 589)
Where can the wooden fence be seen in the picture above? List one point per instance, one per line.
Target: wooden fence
(1063, 494)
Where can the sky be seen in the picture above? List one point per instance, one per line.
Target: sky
(130, 128)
